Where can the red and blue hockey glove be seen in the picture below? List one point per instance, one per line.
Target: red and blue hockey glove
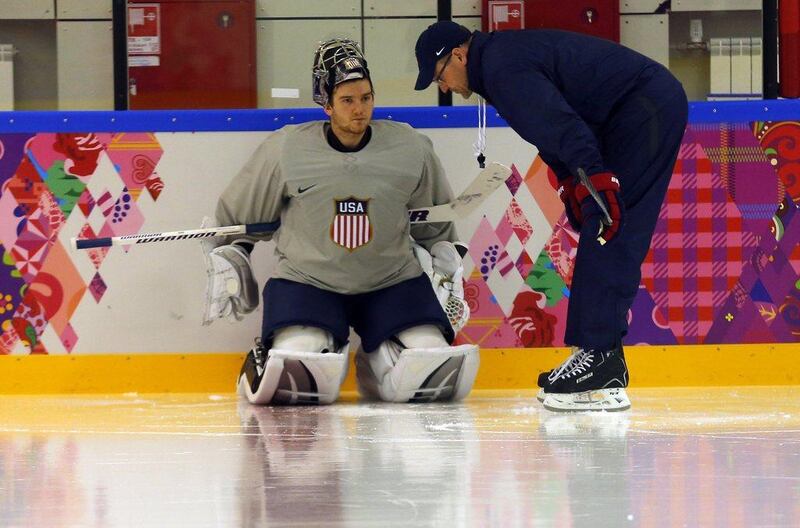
(566, 191)
(599, 196)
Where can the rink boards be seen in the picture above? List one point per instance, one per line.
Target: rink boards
(719, 302)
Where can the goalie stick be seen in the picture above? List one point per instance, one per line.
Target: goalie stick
(487, 181)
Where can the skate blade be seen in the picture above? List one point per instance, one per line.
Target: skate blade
(541, 395)
(610, 400)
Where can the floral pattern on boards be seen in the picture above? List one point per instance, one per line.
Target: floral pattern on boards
(734, 198)
(44, 179)
(731, 210)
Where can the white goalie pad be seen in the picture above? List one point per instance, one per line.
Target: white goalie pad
(445, 269)
(288, 377)
(231, 288)
(394, 374)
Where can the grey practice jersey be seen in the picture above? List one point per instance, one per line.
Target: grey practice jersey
(344, 215)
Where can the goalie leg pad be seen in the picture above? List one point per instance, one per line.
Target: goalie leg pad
(288, 377)
(292, 377)
(395, 374)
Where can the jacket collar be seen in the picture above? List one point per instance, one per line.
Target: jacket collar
(474, 63)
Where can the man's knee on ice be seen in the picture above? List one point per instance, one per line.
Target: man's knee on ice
(417, 365)
(303, 366)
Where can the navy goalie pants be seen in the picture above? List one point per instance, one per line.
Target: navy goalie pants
(375, 316)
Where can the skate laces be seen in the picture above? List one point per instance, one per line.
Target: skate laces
(567, 365)
(581, 364)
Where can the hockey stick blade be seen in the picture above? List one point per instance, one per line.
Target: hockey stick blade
(487, 181)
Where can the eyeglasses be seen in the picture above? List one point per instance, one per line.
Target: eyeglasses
(438, 77)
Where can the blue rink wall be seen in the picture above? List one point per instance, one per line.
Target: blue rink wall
(724, 268)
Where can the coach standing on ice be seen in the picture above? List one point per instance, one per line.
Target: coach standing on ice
(602, 116)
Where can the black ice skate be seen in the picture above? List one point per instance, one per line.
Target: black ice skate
(591, 381)
(547, 378)
(541, 381)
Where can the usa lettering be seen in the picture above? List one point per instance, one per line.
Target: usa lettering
(350, 208)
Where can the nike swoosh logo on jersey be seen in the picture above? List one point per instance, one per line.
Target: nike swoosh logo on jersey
(300, 190)
(440, 51)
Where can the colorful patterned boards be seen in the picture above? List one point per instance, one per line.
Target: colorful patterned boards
(724, 267)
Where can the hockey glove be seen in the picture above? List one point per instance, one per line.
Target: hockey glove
(445, 269)
(599, 196)
(566, 191)
(231, 289)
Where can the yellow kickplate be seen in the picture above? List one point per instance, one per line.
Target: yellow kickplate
(42, 374)
(501, 368)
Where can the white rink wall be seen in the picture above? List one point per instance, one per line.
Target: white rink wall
(155, 293)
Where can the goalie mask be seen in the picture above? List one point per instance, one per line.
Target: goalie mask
(336, 61)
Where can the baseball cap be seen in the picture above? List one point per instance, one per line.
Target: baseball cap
(433, 44)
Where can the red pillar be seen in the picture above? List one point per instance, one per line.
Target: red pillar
(789, 20)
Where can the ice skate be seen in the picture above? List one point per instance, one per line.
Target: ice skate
(547, 378)
(590, 381)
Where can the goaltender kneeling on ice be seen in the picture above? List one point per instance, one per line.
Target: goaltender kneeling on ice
(347, 255)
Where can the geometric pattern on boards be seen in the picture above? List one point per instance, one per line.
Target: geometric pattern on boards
(724, 264)
(45, 179)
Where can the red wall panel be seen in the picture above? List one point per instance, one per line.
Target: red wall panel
(789, 21)
(202, 54)
(592, 17)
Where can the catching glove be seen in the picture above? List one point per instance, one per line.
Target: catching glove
(445, 269)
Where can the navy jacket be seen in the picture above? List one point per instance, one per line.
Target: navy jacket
(560, 90)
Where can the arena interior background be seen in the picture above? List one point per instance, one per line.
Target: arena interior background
(724, 267)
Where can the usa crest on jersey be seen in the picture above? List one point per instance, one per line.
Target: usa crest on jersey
(351, 228)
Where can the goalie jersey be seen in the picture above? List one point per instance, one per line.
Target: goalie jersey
(344, 215)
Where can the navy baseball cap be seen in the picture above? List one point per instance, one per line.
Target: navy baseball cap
(433, 44)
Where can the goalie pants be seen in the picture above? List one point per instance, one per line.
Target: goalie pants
(375, 316)
(641, 151)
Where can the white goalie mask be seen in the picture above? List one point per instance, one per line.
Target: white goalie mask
(336, 61)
